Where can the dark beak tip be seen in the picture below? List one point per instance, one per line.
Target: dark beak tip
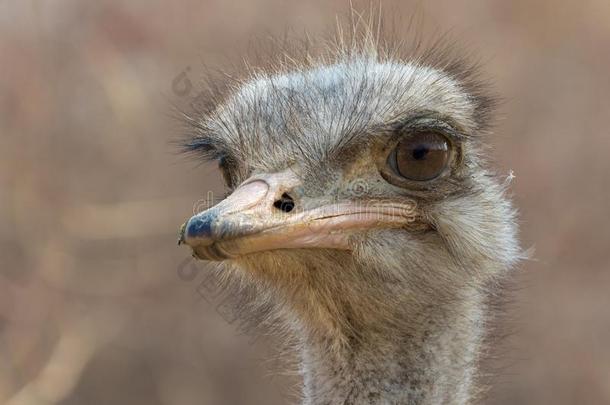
(197, 230)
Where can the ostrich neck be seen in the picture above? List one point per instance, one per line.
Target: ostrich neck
(428, 357)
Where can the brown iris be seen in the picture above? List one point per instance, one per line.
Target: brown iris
(421, 156)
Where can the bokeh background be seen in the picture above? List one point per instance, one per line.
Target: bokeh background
(98, 305)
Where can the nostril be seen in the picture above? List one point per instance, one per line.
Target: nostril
(285, 203)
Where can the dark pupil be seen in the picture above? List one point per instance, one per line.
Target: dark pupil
(420, 152)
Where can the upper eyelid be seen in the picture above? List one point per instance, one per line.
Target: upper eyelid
(415, 123)
(427, 123)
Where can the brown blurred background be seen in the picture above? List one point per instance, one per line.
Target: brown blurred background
(98, 306)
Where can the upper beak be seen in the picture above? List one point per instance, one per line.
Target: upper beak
(266, 213)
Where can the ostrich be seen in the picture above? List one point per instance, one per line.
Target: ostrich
(361, 208)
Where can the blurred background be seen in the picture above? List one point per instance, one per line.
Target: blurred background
(98, 305)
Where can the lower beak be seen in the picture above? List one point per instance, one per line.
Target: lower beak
(261, 215)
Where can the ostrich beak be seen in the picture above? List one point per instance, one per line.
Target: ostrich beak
(252, 219)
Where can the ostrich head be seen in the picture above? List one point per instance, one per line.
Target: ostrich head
(361, 207)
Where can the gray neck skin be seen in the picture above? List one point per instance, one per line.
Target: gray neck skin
(368, 336)
(431, 360)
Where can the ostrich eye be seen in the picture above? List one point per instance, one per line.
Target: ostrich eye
(223, 165)
(421, 156)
